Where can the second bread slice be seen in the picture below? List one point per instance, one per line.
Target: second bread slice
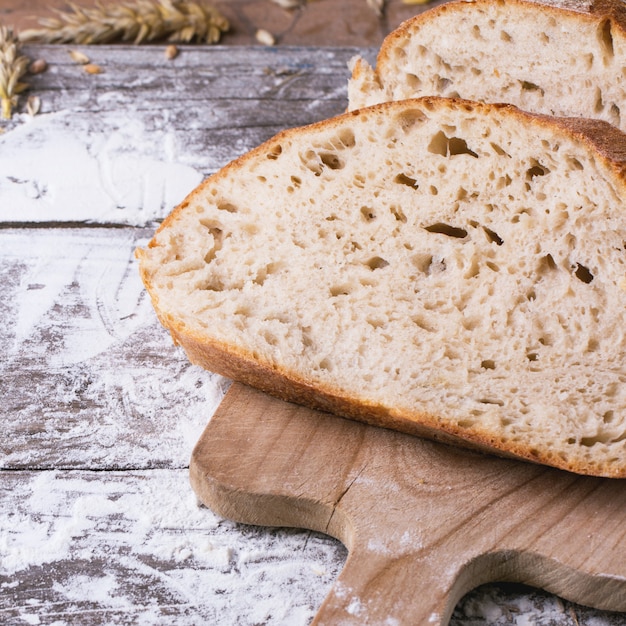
(557, 58)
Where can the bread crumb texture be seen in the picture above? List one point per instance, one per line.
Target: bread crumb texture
(557, 58)
(453, 264)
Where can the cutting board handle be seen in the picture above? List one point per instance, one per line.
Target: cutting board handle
(424, 523)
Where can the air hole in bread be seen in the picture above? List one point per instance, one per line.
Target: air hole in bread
(449, 146)
(275, 152)
(375, 322)
(491, 401)
(608, 416)
(493, 236)
(598, 103)
(583, 273)
(504, 36)
(423, 323)
(311, 160)
(493, 266)
(346, 138)
(331, 160)
(615, 115)
(499, 150)
(606, 39)
(264, 272)
(546, 264)
(447, 229)
(215, 284)
(227, 206)
(592, 345)
(532, 356)
(398, 213)
(504, 181)
(359, 181)
(407, 119)
(574, 163)
(403, 179)
(433, 190)
(442, 84)
(218, 238)
(270, 338)
(296, 181)
(368, 213)
(340, 290)
(326, 364)
(528, 86)
(488, 364)
(422, 262)
(412, 80)
(473, 269)
(536, 169)
(588, 441)
(376, 263)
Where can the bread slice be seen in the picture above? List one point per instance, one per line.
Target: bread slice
(450, 269)
(558, 58)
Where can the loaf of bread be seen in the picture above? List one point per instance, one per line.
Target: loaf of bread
(564, 58)
(450, 269)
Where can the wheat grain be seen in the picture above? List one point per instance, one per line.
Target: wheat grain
(171, 52)
(265, 37)
(134, 21)
(13, 66)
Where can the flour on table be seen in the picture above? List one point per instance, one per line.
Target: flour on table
(158, 542)
(57, 167)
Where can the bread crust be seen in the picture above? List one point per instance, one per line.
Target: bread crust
(607, 141)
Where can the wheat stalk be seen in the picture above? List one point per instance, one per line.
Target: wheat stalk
(138, 21)
(13, 66)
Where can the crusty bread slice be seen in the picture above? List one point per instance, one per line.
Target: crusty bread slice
(563, 58)
(450, 269)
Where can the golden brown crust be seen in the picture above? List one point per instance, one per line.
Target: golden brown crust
(224, 360)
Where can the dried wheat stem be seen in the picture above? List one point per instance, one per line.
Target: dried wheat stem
(13, 66)
(136, 21)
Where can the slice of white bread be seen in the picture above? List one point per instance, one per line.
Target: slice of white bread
(450, 269)
(558, 58)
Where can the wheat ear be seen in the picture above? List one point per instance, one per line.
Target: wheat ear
(138, 21)
(13, 66)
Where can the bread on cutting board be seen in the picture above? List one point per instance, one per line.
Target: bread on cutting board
(565, 58)
(445, 268)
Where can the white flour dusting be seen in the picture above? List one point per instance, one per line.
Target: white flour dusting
(57, 167)
(150, 536)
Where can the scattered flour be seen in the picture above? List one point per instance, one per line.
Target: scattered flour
(126, 541)
(56, 167)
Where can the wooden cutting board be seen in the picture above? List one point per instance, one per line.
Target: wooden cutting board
(423, 522)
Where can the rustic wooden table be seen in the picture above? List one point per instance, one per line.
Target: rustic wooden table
(100, 412)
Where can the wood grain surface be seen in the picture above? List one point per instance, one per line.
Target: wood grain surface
(424, 523)
(99, 411)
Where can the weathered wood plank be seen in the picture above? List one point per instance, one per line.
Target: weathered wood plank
(88, 377)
